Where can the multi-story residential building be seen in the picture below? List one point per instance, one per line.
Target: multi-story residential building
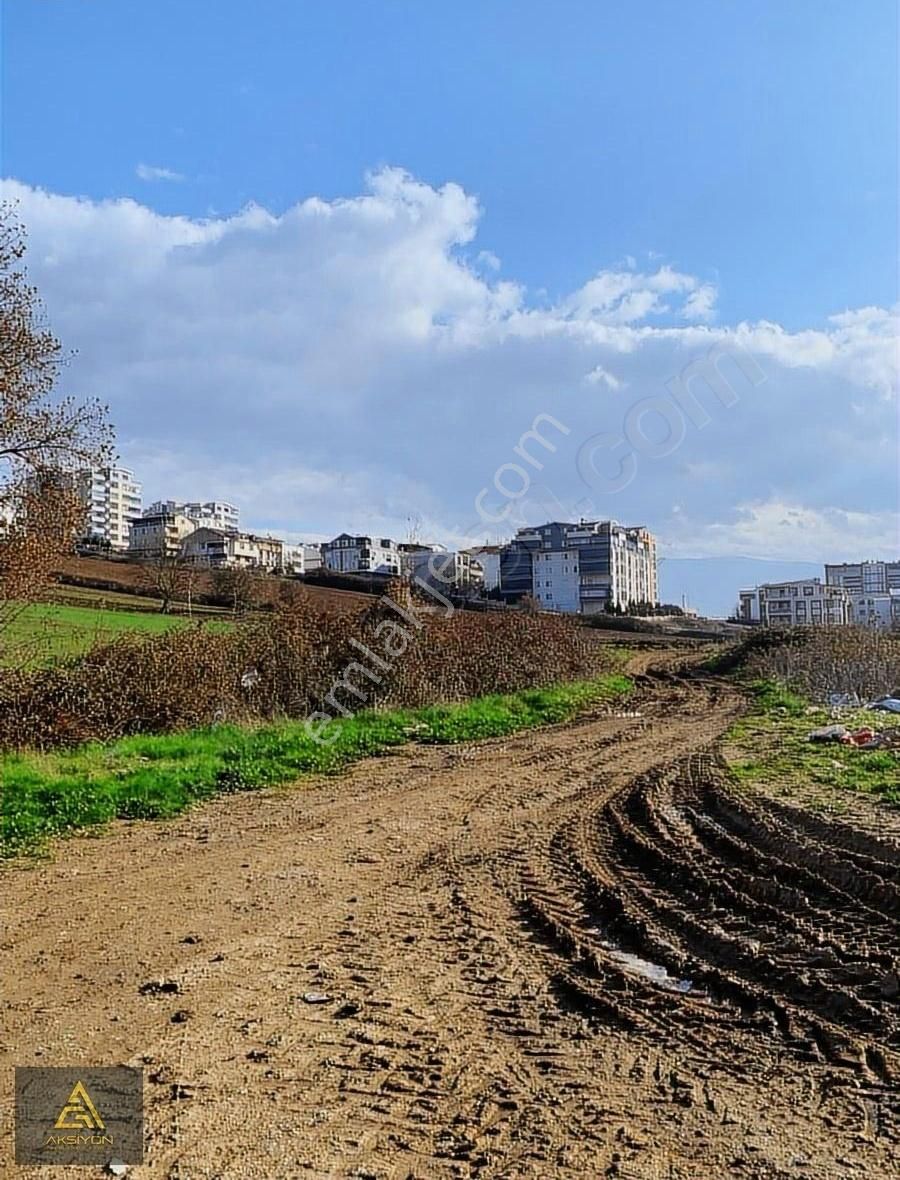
(881, 611)
(348, 554)
(581, 568)
(806, 601)
(112, 501)
(312, 558)
(488, 557)
(225, 548)
(215, 514)
(160, 535)
(865, 577)
(437, 567)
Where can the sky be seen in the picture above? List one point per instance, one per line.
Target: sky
(331, 262)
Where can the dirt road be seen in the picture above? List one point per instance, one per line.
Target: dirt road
(576, 952)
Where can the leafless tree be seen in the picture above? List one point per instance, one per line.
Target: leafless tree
(169, 578)
(44, 439)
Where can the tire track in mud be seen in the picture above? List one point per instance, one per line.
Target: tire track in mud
(574, 952)
(685, 911)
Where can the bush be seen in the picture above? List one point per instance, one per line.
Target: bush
(284, 666)
(818, 661)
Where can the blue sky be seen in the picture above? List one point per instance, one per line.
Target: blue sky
(751, 143)
(330, 261)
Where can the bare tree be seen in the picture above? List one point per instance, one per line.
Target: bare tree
(44, 440)
(169, 578)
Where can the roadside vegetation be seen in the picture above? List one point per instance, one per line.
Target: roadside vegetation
(770, 747)
(288, 664)
(150, 777)
(790, 676)
(817, 661)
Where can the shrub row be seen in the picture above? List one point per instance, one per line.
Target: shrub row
(818, 661)
(285, 666)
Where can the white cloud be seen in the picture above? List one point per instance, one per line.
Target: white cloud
(600, 376)
(343, 364)
(787, 530)
(151, 173)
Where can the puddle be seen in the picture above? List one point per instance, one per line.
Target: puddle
(644, 968)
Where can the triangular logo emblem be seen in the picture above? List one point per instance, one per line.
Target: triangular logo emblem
(79, 1113)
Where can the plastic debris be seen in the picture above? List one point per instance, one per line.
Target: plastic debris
(844, 700)
(316, 998)
(861, 737)
(117, 1168)
(829, 733)
(886, 705)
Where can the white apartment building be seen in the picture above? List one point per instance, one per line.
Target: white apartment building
(438, 567)
(215, 514)
(312, 558)
(160, 535)
(112, 501)
(348, 554)
(581, 568)
(225, 548)
(805, 602)
(865, 578)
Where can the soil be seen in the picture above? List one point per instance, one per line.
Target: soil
(578, 952)
(131, 577)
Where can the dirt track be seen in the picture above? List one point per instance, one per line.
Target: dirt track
(571, 953)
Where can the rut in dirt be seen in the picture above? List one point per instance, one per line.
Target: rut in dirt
(688, 910)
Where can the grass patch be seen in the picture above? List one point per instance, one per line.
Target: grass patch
(769, 747)
(45, 632)
(153, 777)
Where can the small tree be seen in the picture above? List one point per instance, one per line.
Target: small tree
(44, 441)
(169, 578)
(238, 587)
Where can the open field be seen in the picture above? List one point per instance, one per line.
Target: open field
(115, 600)
(580, 950)
(50, 631)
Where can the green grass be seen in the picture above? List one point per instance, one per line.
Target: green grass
(44, 632)
(769, 747)
(152, 777)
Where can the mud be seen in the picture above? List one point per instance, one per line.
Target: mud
(577, 952)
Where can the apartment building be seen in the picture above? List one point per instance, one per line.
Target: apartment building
(312, 558)
(228, 549)
(159, 535)
(438, 567)
(581, 568)
(865, 578)
(348, 554)
(488, 557)
(111, 497)
(881, 611)
(805, 602)
(215, 514)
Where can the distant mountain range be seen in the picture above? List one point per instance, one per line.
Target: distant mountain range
(711, 584)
